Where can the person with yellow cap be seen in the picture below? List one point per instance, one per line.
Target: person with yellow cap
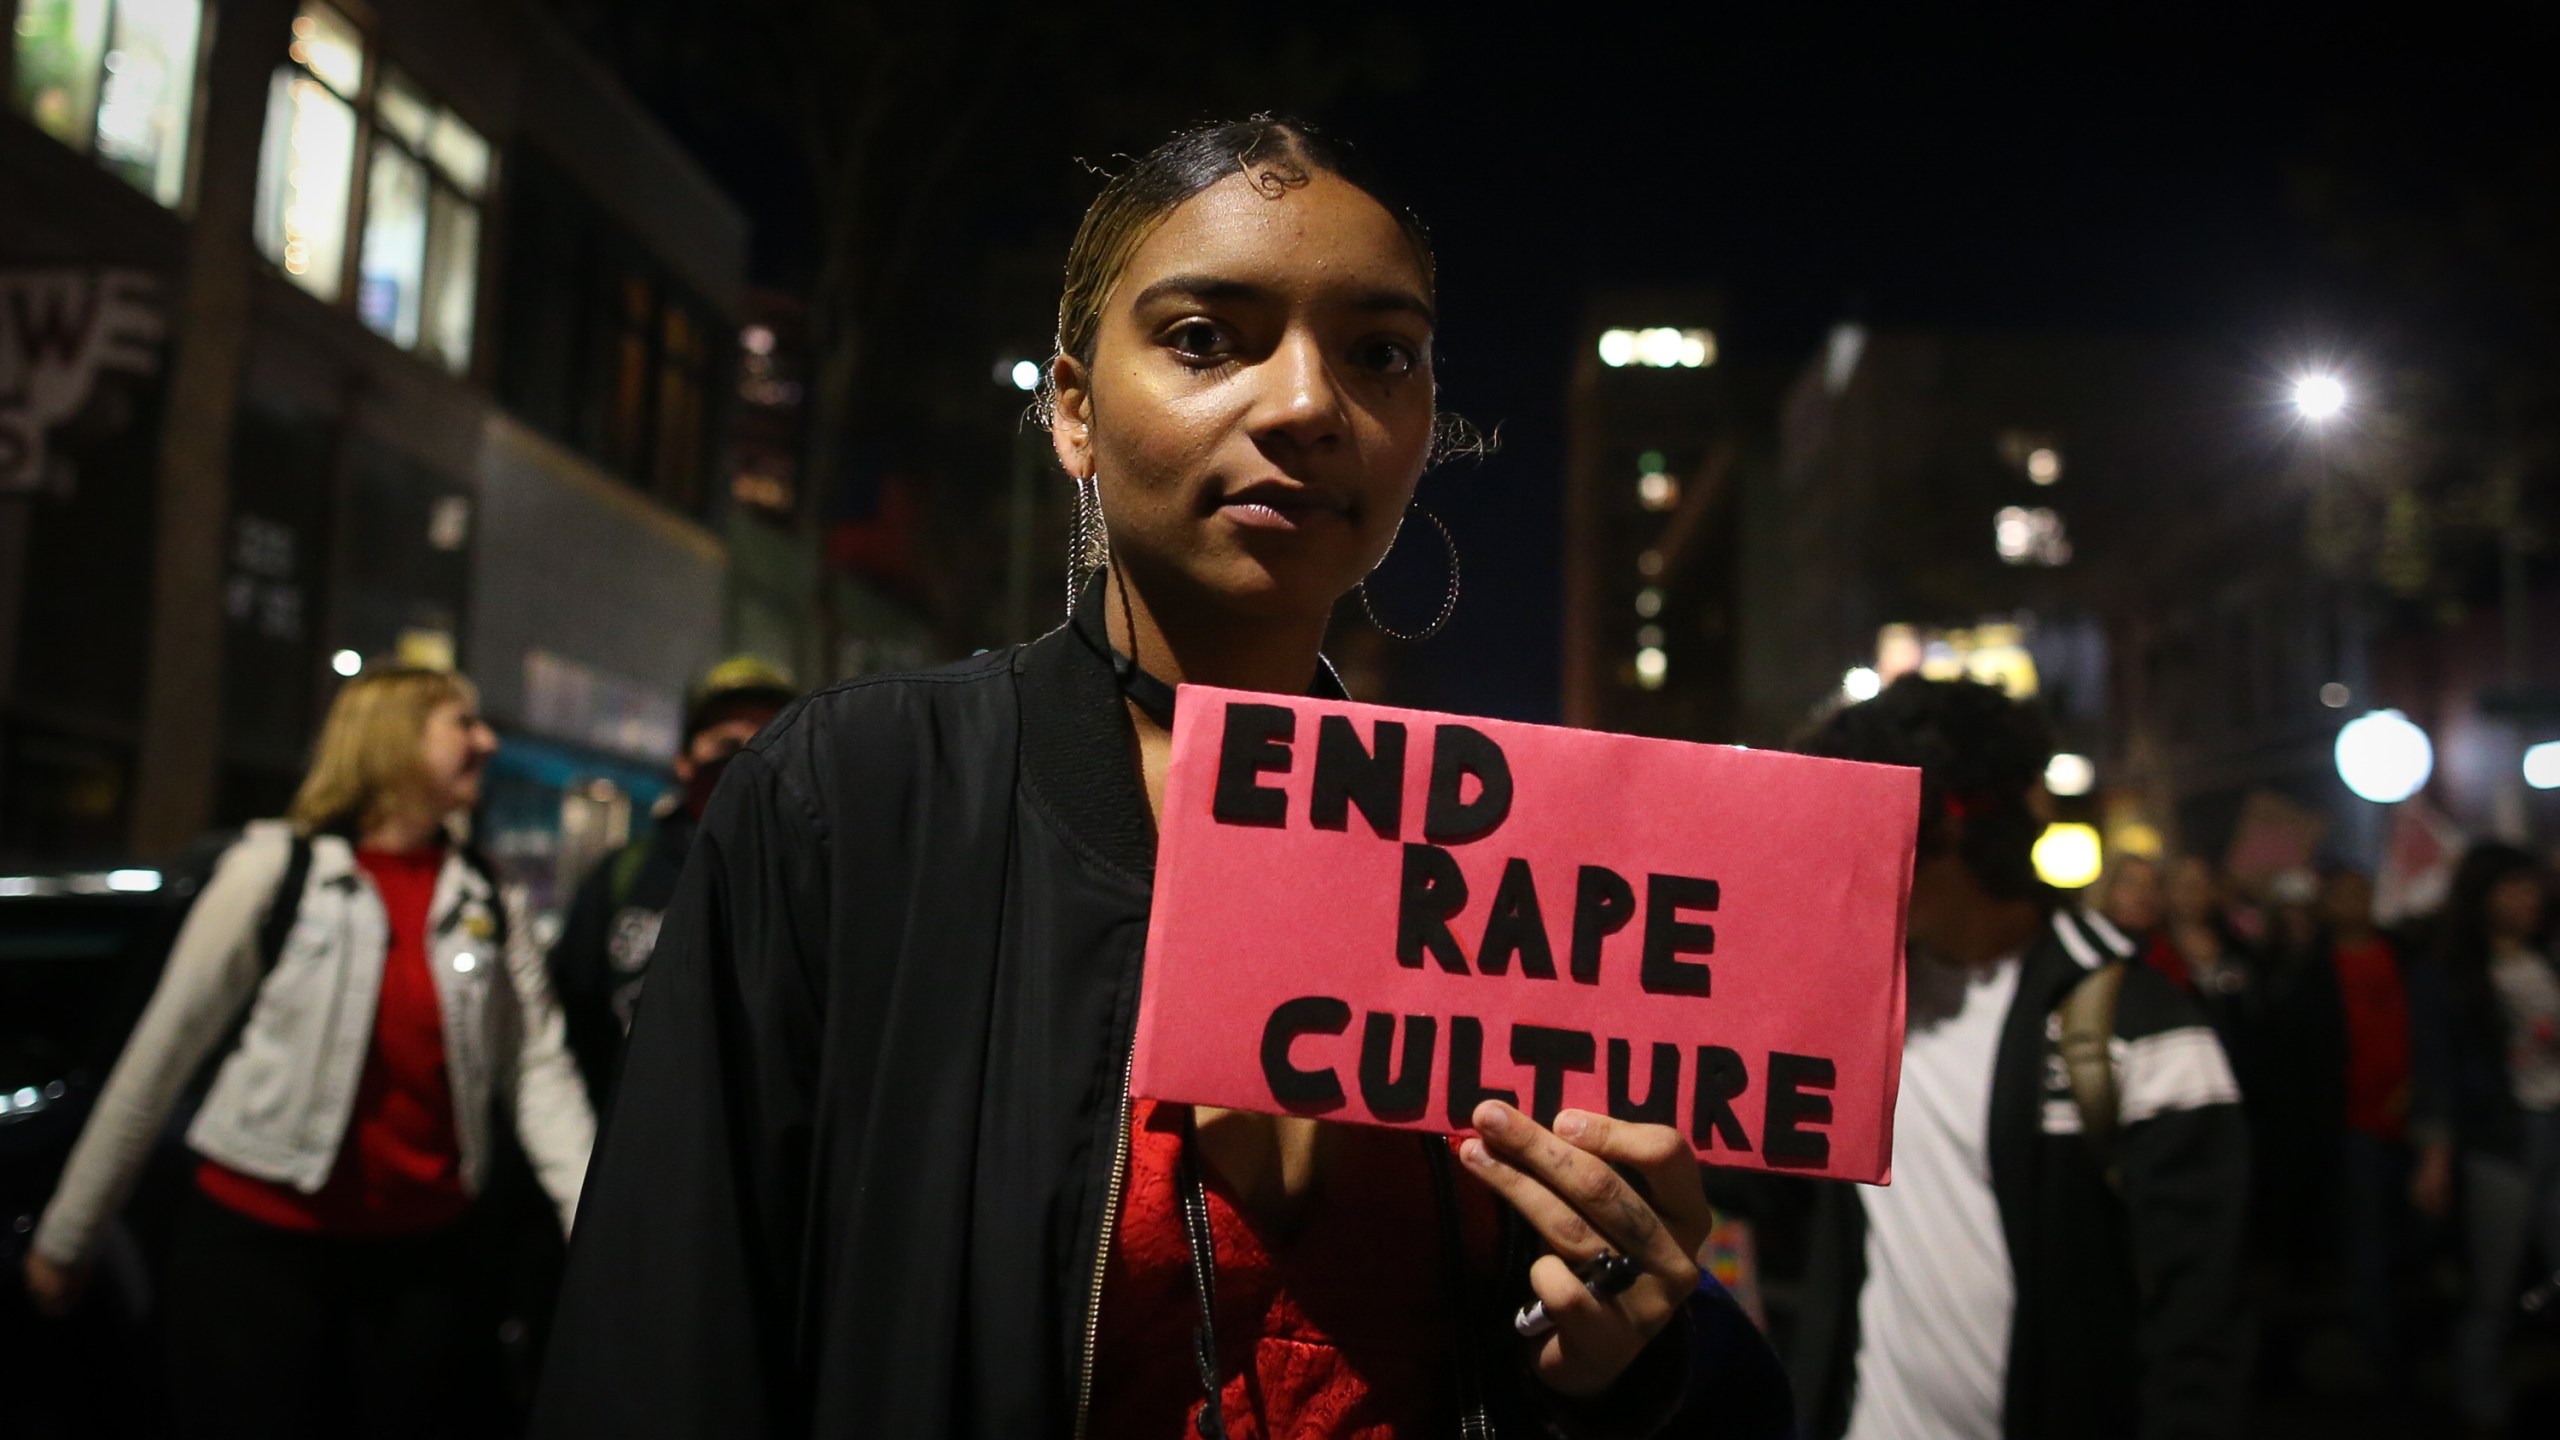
(602, 955)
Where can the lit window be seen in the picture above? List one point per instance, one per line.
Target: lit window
(116, 78)
(393, 291)
(2025, 536)
(418, 261)
(1651, 668)
(453, 278)
(1662, 348)
(305, 178)
(328, 45)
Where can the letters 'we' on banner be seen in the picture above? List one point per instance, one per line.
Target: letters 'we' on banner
(1384, 916)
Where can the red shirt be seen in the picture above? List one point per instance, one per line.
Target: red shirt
(2376, 1011)
(399, 1168)
(1343, 1329)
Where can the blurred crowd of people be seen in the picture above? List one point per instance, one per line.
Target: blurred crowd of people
(2402, 1088)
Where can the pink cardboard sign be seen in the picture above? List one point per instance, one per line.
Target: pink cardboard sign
(1385, 916)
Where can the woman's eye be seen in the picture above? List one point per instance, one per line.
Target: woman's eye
(1391, 357)
(1195, 340)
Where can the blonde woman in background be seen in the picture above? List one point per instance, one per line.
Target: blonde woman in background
(317, 1283)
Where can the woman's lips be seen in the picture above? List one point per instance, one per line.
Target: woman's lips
(1283, 510)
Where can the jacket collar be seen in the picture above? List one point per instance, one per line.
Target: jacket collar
(1079, 747)
(458, 881)
(2073, 943)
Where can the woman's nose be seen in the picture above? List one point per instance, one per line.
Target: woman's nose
(1299, 400)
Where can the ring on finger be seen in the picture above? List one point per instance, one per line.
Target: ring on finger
(1605, 1274)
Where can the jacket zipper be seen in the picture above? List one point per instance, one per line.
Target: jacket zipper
(1102, 1249)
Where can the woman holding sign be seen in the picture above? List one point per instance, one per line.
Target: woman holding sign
(878, 1171)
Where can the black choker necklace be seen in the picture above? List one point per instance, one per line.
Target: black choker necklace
(1145, 691)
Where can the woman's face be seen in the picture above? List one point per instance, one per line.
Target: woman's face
(1259, 405)
(2194, 891)
(2133, 894)
(454, 752)
(2515, 907)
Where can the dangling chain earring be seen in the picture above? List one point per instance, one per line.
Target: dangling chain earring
(1448, 602)
(1088, 544)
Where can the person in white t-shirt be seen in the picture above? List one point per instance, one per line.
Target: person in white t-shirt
(2035, 1267)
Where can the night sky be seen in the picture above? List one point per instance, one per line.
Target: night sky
(2060, 167)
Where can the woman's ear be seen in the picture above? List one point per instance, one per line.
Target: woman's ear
(1071, 415)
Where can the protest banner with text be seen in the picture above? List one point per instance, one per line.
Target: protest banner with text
(1386, 916)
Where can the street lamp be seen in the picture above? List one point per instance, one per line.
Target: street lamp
(2319, 397)
(2384, 757)
(2542, 766)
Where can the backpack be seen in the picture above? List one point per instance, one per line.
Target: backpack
(2088, 1016)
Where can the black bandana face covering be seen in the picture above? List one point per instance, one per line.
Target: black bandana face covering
(706, 778)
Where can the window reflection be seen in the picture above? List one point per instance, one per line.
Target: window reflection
(305, 175)
(115, 78)
(392, 292)
(417, 282)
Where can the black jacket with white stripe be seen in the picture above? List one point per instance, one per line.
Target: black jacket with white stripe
(2128, 1320)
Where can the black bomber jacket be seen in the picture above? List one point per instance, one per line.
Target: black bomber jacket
(866, 1134)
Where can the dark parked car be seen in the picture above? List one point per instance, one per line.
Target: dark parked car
(79, 954)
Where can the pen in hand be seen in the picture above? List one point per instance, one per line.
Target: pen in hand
(1605, 1274)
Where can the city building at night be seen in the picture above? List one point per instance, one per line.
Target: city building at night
(1653, 451)
(2134, 530)
(360, 335)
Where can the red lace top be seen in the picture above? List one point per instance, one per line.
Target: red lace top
(399, 1167)
(1342, 1330)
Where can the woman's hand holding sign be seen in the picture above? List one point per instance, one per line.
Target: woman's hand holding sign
(1562, 1181)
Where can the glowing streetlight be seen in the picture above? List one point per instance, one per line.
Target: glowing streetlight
(347, 663)
(2068, 856)
(1861, 684)
(2069, 775)
(1026, 375)
(2384, 757)
(2542, 765)
(2319, 397)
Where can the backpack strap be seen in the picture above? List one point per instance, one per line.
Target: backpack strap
(284, 906)
(2088, 1016)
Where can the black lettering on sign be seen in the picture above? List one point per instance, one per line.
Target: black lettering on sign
(1661, 1102)
(1549, 1053)
(1347, 774)
(1433, 891)
(1516, 928)
(1302, 1092)
(1720, 1080)
(1255, 742)
(1466, 1073)
(1405, 1092)
(1667, 937)
(1783, 1138)
(1459, 752)
(1603, 903)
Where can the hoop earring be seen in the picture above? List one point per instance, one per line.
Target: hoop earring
(1088, 543)
(1448, 602)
